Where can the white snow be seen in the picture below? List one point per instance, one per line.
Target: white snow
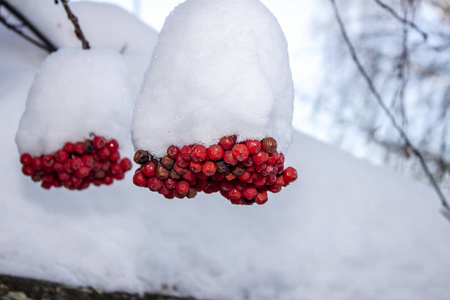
(90, 86)
(104, 25)
(343, 230)
(219, 68)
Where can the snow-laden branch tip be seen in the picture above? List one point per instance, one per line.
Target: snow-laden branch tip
(386, 110)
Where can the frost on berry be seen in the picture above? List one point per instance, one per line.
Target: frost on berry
(77, 165)
(243, 174)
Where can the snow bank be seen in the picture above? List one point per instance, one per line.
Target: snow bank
(104, 25)
(219, 68)
(75, 93)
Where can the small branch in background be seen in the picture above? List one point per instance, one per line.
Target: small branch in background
(391, 117)
(74, 20)
(404, 21)
(43, 42)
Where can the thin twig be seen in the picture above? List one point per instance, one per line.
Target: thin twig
(404, 21)
(46, 44)
(74, 20)
(391, 117)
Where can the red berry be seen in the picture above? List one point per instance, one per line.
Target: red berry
(57, 183)
(215, 152)
(209, 168)
(260, 182)
(98, 142)
(67, 168)
(218, 177)
(240, 152)
(79, 148)
(190, 176)
(69, 147)
(290, 174)
(260, 158)
(155, 184)
(112, 145)
(140, 179)
(199, 153)
(164, 191)
(260, 168)
(26, 159)
(46, 185)
(82, 172)
(181, 162)
(253, 146)
(99, 174)
(229, 158)
(227, 142)
(170, 183)
(281, 159)
(103, 153)
(107, 180)
(275, 188)
(249, 192)
(179, 170)
(58, 167)
(183, 188)
(273, 157)
(186, 152)
(36, 163)
(234, 194)
(28, 170)
(48, 161)
(149, 169)
(269, 144)
(61, 156)
(106, 165)
(120, 175)
(173, 152)
(213, 188)
(88, 161)
(195, 167)
(239, 185)
(114, 156)
(84, 184)
(245, 177)
(126, 164)
(261, 197)
(115, 169)
(75, 163)
(226, 186)
(201, 185)
(230, 176)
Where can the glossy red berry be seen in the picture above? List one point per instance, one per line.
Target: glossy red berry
(229, 159)
(36, 163)
(75, 163)
(234, 194)
(26, 159)
(240, 152)
(215, 152)
(261, 197)
(79, 148)
(58, 167)
(173, 152)
(199, 153)
(149, 169)
(170, 183)
(260, 157)
(186, 152)
(209, 168)
(226, 186)
(69, 147)
(249, 192)
(112, 145)
(183, 188)
(115, 169)
(290, 174)
(195, 167)
(48, 161)
(28, 170)
(227, 142)
(82, 172)
(155, 183)
(61, 156)
(140, 179)
(88, 161)
(126, 164)
(98, 142)
(253, 146)
(114, 156)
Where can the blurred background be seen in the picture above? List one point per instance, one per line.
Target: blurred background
(404, 47)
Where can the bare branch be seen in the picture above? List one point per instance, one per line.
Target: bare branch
(381, 102)
(74, 20)
(46, 44)
(404, 21)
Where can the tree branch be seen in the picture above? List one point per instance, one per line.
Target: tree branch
(46, 44)
(391, 117)
(74, 20)
(404, 21)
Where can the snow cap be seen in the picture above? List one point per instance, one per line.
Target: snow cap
(75, 93)
(220, 67)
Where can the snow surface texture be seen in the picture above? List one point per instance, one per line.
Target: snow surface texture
(75, 93)
(343, 230)
(219, 68)
(104, 25)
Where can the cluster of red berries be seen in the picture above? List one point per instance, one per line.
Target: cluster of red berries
(242, 172)
(77, 165)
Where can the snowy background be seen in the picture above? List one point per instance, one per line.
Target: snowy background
(343, 230)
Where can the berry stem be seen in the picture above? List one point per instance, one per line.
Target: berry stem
(74, 20)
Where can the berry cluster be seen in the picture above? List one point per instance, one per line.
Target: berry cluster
(77, 165)
(242, 172)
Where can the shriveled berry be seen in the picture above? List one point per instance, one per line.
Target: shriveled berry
(174, 175)
(155, 183)
(227, 142)
(249, 192)
(173, 152)
(183, 188)
(192, 193)
(240, 152)
(230, 176)
(99, 174)
(209, 168)
(199, 153)
(215, 152)
(112, 145)
(229, 158)
(238, 170)
(149, 169)
(222, 167)
(141, 157)
(167, 162)
(88, 146)
(161, 172)
(26, 159)
(253, 146)
(290, 174)
(269, 144)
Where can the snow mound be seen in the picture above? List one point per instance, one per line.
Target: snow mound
(104, 25)
(219, 68)
(75, 93)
